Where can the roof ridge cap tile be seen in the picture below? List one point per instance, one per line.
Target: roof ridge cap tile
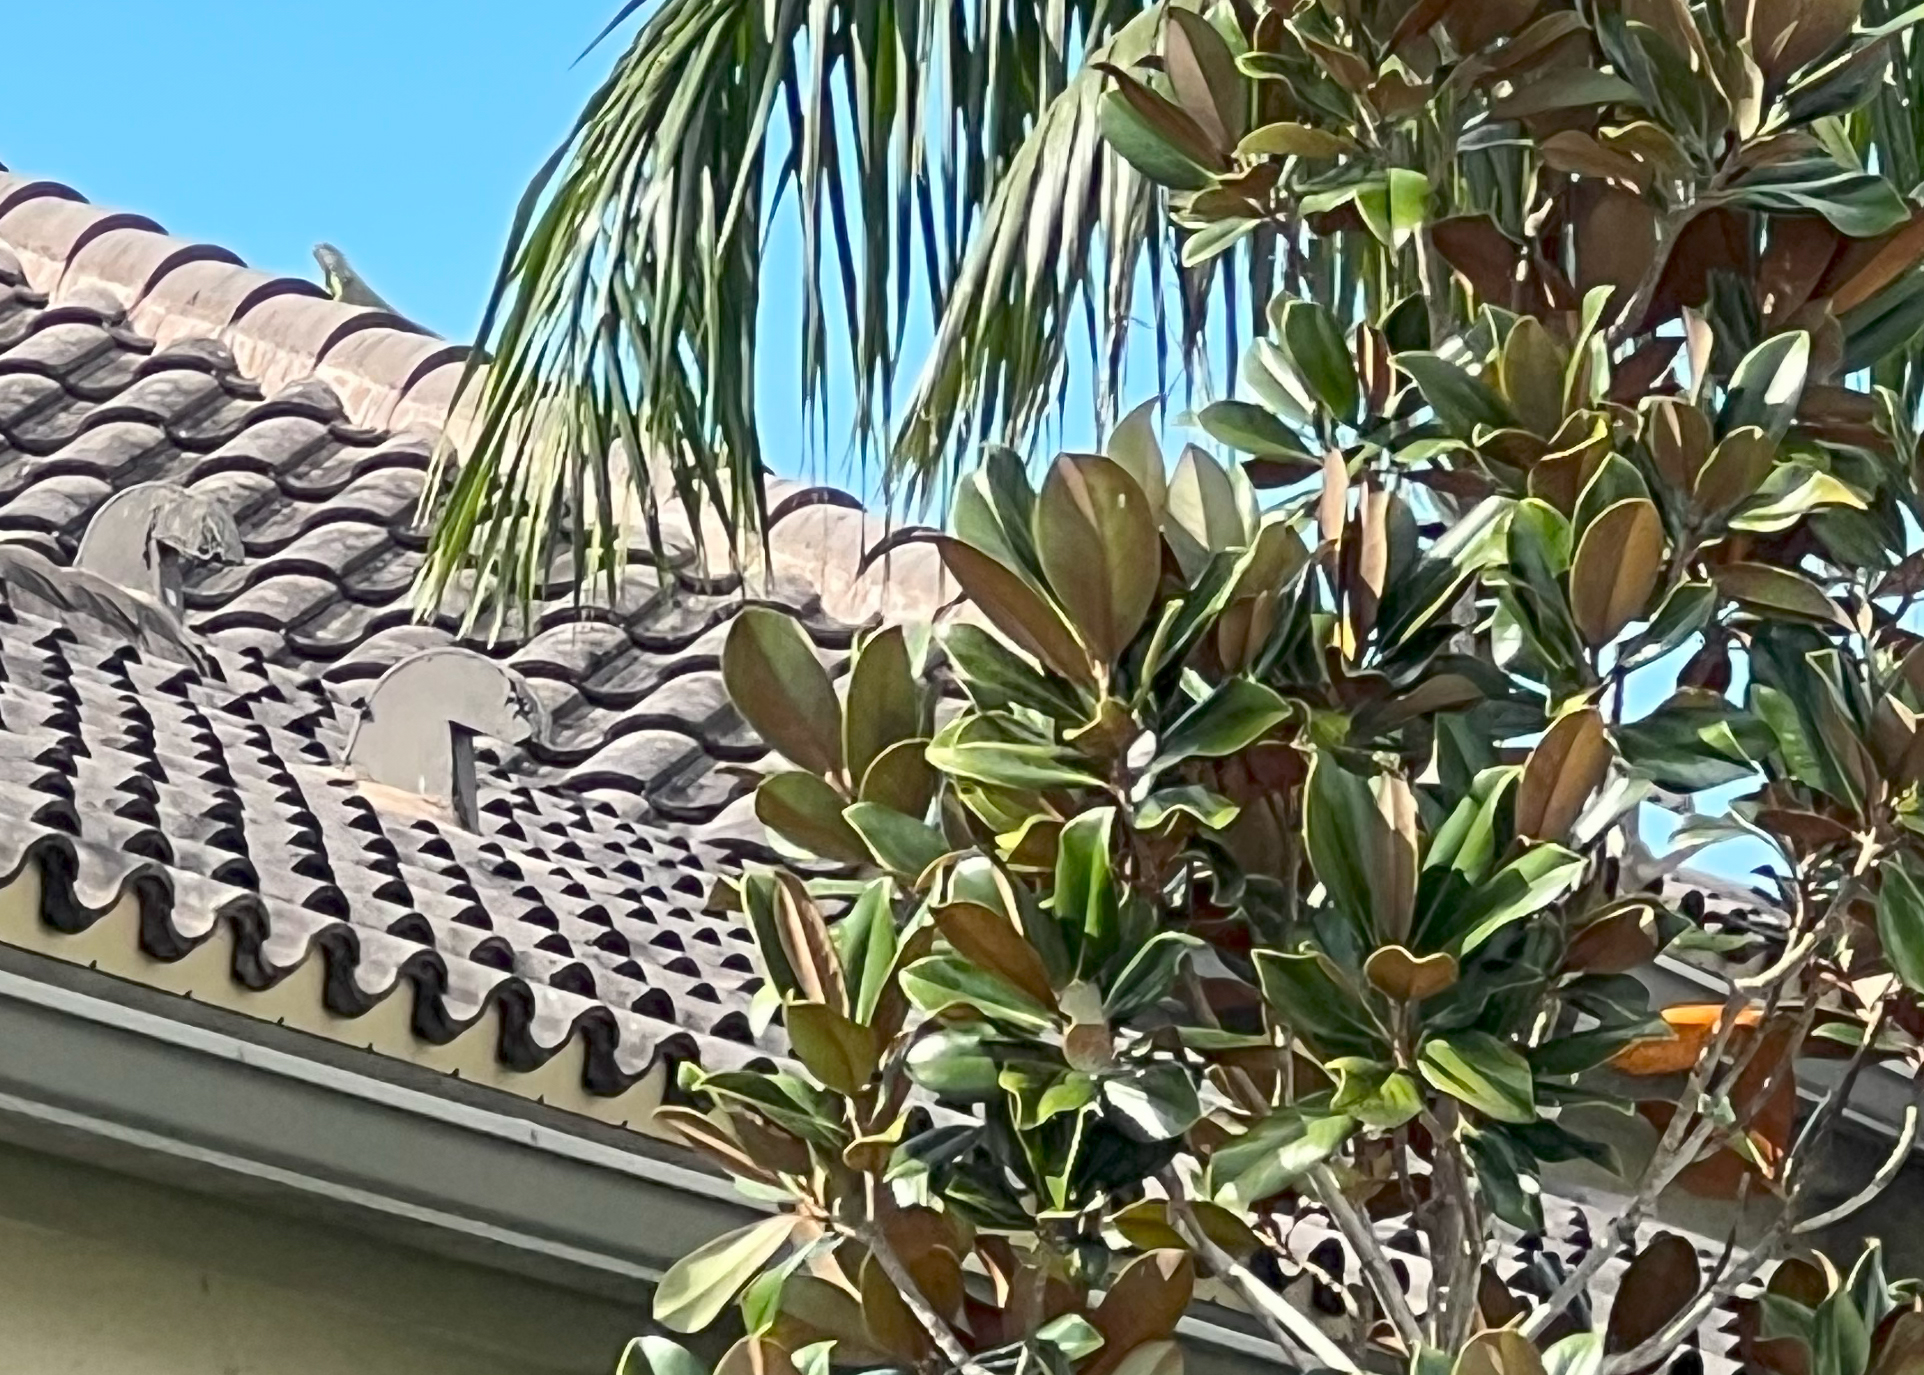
(281, 329)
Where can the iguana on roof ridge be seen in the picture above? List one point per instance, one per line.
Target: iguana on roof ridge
(343, 283)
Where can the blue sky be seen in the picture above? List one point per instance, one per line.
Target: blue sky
(402, 130)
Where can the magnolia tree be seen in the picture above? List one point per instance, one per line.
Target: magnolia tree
(1259, 837)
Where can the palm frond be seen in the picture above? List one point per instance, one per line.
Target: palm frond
(942, 160)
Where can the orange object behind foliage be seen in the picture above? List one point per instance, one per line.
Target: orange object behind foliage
(1691, 1027)
(1765, 1117)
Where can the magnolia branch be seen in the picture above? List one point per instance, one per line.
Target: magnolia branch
(1289, 1327)
(1362, 1240)
(956, 1354)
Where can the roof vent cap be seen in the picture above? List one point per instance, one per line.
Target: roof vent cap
(417, 729)
(144, 538)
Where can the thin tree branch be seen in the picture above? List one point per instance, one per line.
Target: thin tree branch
(932, 1322)
(1362, 1240)
(1289, 1327)
(1886, 1173)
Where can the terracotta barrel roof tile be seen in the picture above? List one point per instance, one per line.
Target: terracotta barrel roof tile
(46, 231)
(372, 369)
(200, 299)
(129, 261)
(282, 338)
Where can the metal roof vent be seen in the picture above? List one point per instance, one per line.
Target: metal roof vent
(143, 539)
(417, 729)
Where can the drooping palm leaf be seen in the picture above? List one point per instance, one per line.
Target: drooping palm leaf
(938, 155)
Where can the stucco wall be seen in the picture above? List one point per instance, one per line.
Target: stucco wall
(105, 1274)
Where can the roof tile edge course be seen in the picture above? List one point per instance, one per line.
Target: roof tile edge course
(112, 944)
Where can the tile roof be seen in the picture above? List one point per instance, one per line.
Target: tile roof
(189, 801)
(127, 356)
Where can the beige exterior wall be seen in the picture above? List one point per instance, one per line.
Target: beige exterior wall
(105, 1274)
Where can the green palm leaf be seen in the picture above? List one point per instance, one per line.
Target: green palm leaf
(936, 154)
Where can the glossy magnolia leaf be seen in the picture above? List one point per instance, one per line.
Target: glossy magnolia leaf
(839, 1052)
(1150, 974)
(902, 778)
(1767, 385)
(1304, 992)
(1694, 740)
(1071, 1334)
(1379, 1096)
(794, 940)
(1503, 1351)
(1900, 924)
(1250, 429)
(867, 944)
(807, 813)
(1133, 444)
(1152, 1358)
(1522, 888)
(1142, 1308)
(1566, 767)
(1662, 1278)
(1290, 140)
(1004, 755)
(1532, 374)
(699, 1285)
(1212, 811)
(1100, 548)
(781, 688)
(1476, 1068)
(1233, 717)
(994, 506)
(884, 704)
(956, 1064)
(1315, 345)
(1734, 471)
(1580, 1353)
(1154, 136)
(1155, 1103)
(663, 1357)
(1409, 978)
(990, 940)
(1086, 901)
(1778, 593)
(1618, 562)
(901, 844)
(1461, 402)
(942, 983)
(1790, 493)
(1622, 939)
(1348, 840)
(1208, 513)
(1202, 73)
(996, 677)
(888, 1322)
(1860, 204)
(712, 1135)
(1272, 1155)
(1017, 610)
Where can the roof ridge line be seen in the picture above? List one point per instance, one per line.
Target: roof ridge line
(389, 373)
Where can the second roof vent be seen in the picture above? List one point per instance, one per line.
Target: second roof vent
(417, 730)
